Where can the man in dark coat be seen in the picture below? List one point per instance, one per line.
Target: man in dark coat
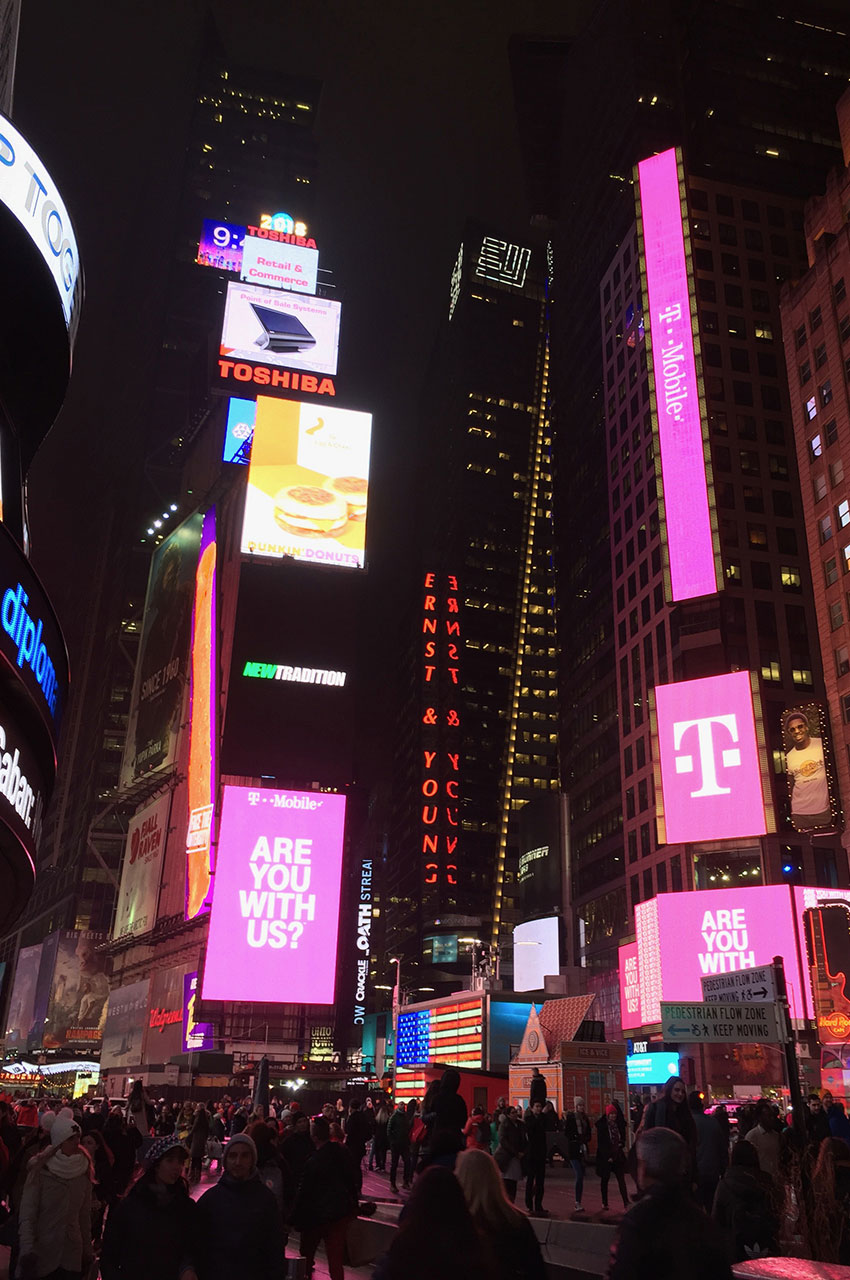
(817, 1121)
(535, 1158)
(328, 1199)
(240, 1230)
(712, 1151)
(666, 1235)
(359, 1128)
(537, 1088)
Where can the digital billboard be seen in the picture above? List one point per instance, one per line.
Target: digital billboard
(812, 788)
(221, 245)
(79, 991)
(629, 987)
(537, 953)
(651, 1068)
(162, 664)
(289, 713)
(308, 483)
(686, 500)
(542, 832)
(827, 932)
(164, 1036)
(203, 728)
(197, 1036)
(140, 871)
(124, 1029)
(451, 1034)
(278, 328)
(275, 909)
(277, 265)
(683, 937)
(710, 760)
(239, 430)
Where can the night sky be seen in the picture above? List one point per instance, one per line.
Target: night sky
(416, 132)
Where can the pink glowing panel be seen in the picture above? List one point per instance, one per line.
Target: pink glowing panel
(710, 769)
(275, 910)
(629, 987)
(674, 383)
(716, 931)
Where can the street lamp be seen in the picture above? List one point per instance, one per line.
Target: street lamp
(396, 960)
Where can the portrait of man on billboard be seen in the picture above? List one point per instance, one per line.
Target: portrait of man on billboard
(805, 763)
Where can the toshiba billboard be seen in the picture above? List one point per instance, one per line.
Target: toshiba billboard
(710, 758)
(683, 937)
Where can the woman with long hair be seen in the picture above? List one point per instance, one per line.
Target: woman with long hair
(670, 1110)
(436, 1235)
(505, 1233)
(830, 1203)
(140, 1109)
(150, 1232)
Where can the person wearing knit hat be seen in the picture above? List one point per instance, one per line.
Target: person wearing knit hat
(54, 1222)
(152, 1230)
(48, 1120)
(241, 1230)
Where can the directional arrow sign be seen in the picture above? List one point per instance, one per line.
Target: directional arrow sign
(752, 986)
(721, 1023)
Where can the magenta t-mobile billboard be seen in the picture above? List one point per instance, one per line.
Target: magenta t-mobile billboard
(275, 909)
(708, 746)
(689, 535)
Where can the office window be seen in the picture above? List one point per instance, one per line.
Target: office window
(802, 677)
(830, 571)
(734, 295)
(844, 327)
(757, 535)
(843, 513)
(800, 337)
(845, 707)
(810, 409)
(815, 319)
(733, 572)
(845, 558)
(842, 660)
(786, 541)
(764, 332)
(830, 431)
(836, 473)
(760, 573)
(770, 670)
(839, 290)
(836, 615)
(826, 393)
(819, 486)
(749, 462)
(731, 264)
(825, 529)
(790, 578)
(805, 372)
(820, 355)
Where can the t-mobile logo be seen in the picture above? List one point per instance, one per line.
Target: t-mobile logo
(729, 756)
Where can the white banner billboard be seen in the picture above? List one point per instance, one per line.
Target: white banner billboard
(141, 869)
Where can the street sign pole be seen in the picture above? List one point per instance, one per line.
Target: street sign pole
(790, 1048)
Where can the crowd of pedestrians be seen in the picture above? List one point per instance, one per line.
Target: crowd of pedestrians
(108, 1189)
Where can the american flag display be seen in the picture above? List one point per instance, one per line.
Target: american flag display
(451, 1034)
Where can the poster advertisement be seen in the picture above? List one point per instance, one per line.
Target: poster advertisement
(162, 664)
(275, 912)
(203, 734)
(308, 483)
(275, 264)
(280, 328)
(164, 1037)
(141, 869)
(808, 765)
(19, 1021)
(124, 1030)
(76, 1009)
(197, 1036)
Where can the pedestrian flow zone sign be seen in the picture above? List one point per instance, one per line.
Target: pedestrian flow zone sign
(748, 985)
(721, 1023)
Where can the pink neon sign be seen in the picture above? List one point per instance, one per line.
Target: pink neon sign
(275, 911)
(629, 987)
(690, 543)
(710, 769)
(715, 931)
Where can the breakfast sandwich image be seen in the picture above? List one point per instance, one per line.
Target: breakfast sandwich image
(307, 495)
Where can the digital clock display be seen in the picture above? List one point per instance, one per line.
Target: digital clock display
(221, 245)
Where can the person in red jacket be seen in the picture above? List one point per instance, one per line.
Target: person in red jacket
(476, 1131)
(27, 1113)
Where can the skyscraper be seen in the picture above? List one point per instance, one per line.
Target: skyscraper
(479, 727)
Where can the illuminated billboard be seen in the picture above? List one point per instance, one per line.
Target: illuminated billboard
(291, 693)
(283, 329)
(276, 265)
(79, 991)
(651, 1068)
(308, 483)
(683, 937)
(22, 1003)
(239, 430)
(686, 501)
(451, 1034)
(141, 868)
(827, 932)
(629, 987)
(197, 1036)
(275, 909)
(162, 664)
(202, 725)
(711, 761)
(536, 953)
(808, 764)
(221, 245)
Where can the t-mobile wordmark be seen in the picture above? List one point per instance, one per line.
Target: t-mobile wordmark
(705, 737)
(710, 763)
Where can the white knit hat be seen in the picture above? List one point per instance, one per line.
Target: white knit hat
(64, 1126)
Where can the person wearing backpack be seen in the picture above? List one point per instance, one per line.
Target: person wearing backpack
(744, 1206)
(399, 1127)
